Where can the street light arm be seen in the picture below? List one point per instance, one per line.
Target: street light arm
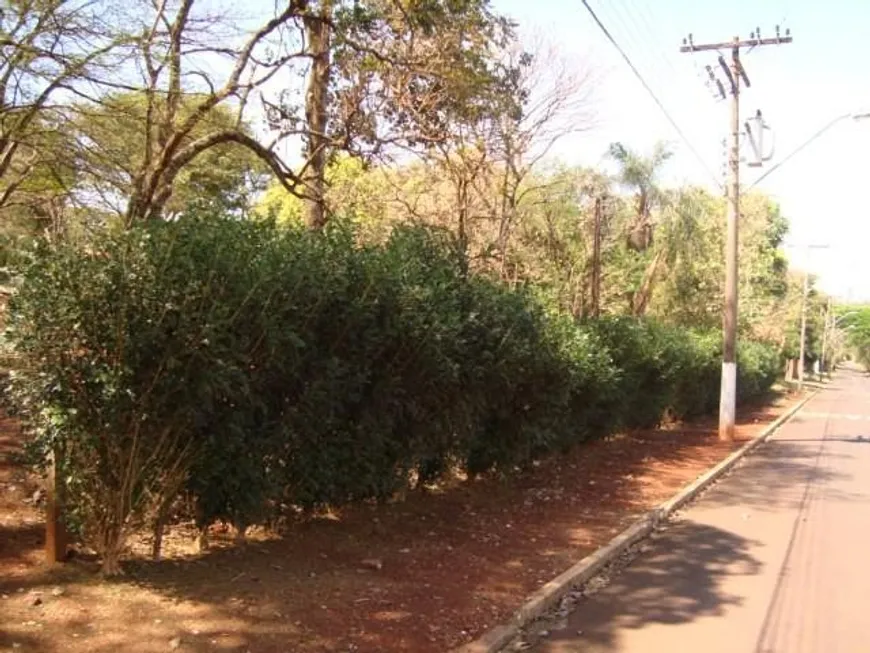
(803, 145)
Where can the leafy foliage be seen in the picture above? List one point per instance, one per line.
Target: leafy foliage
(665, 370)
(255, 367)
(854, 323)
(220, 179)
(118, 340)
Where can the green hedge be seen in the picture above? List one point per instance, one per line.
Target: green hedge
(664, 370)
(251, 369)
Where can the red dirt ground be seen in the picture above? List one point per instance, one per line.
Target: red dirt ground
(453, 562)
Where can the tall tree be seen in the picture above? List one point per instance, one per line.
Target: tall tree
(386, 76)
(639, 174)
(222, 178)
(553, 98)
(176, 59)
(50, 51)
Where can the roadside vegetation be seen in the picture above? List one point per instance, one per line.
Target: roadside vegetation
(258, 270)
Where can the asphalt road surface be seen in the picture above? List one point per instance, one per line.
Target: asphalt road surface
(773, 559)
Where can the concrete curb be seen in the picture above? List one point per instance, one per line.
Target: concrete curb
(545, 598)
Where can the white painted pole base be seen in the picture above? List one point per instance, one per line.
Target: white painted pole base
(728, 401)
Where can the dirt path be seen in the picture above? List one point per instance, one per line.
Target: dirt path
(451, 563)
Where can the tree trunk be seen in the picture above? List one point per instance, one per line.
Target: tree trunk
(241, 533)
(595, 307)
(202, 539)
(111, 547)
(508, 216)
(317, 33)
(640, 299)
(159, 528)
(462, 226)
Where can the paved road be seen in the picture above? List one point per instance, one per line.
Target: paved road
(774, 559)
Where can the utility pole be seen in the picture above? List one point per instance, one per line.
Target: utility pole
(596, 261)
(824, 357)
(735, 74)
(804, 302)
(803, 347)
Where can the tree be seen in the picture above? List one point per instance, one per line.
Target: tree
(552, 240)
(354, 192)
(855, 322)
(689, 288)
(764, 283)
(38, 203)
(221, 180)
(639, 174)
(51, 50)
(553, 98)
(380, 75)
(175, 60)
(384, 77)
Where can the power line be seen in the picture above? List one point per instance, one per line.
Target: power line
(654, 51)
(644, 26)
(649, 90)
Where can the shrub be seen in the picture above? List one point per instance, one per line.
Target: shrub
(250, 368)
(663, 369)
(375, 387)
(535, 380)
(130, 348)
(698, 380)
(758, 366)
(648, 358)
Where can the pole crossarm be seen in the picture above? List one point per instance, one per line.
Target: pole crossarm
(748, 43)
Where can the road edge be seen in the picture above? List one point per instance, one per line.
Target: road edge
(545, 598)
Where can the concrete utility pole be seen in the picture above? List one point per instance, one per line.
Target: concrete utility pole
(803, 347)
(823, 358)
(804, 302)
(735, 74)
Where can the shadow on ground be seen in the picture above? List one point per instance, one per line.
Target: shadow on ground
(778, 473)
(676, 581)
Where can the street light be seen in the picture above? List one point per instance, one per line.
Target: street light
(831, 324)
(811, 139)
(838, 340)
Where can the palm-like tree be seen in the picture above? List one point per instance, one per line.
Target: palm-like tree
(639, 174)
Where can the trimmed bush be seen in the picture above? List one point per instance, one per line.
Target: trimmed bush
(648, 358)
(758, 366)
(129, 349)
(669, 370)
(697, 385)
(249, 368)
(538, 382)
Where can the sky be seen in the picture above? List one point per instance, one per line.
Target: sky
(800, 88)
